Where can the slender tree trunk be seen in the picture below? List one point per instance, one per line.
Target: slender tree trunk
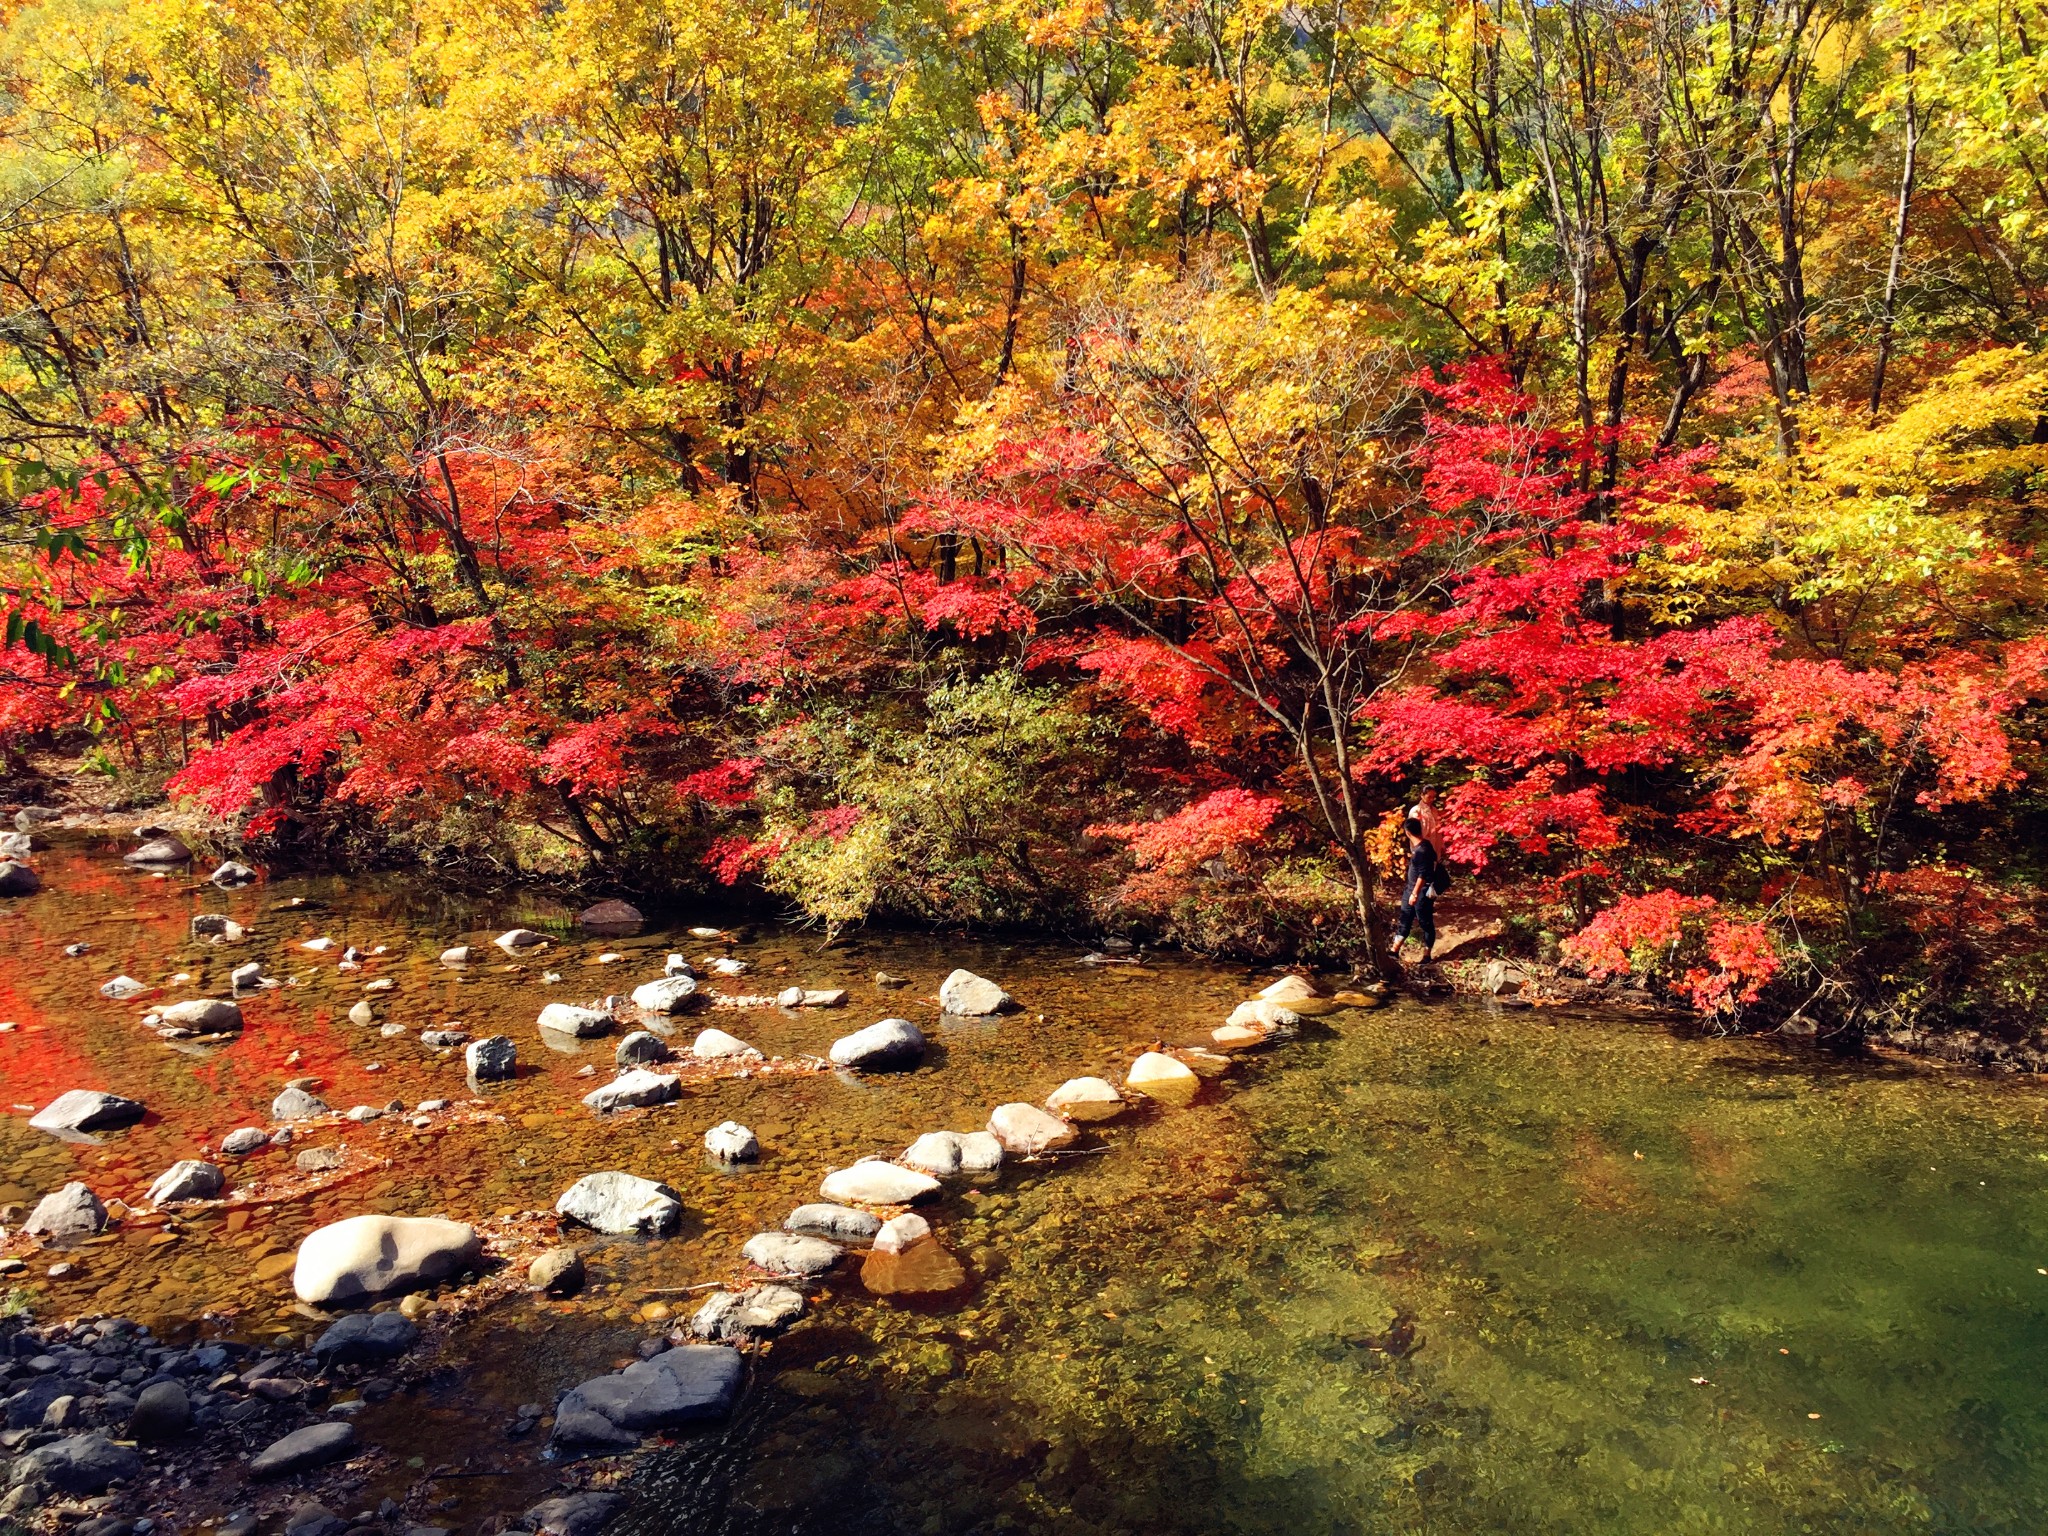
(1900, 222)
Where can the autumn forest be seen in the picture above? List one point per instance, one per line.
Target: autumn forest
(1080, 467)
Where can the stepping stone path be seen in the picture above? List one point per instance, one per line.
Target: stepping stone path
(874, 1182)
(621, 1203)
(888, 1046)
(1087, 1099)
(1027, 1130)
(759, 1312)
(1159, 1076)
(946, 1153)
(637, 1089)
(842, 1223)
(787, 1253)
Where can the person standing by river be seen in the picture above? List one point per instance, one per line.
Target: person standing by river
(1418, 892)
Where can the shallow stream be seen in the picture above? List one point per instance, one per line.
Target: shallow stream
(1431, 1268)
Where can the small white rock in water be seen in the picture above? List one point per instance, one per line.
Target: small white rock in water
(825, 997)
(731, 1142)
(381, 984)
(370, 1256)
(1159, 1076)
(122, 987)
(246, 978)
(790, 997)
(391, 1031)
(899, 1232)
(549, 978)
(717, 1045)
(362, 1013)
(209, 1013)
(319, 946)
(1288, 989)
(946, 1153)
(512, 940)
(1086, 1099)
(619, 1203)
(1262, 1013)
(610, 957)
(726, 965)
(568, 1019)
(676, 965)
(972, 996)
(457, 954)
(349, 965)
(1026, 1130)
(707, 933)
(670, 994)
(637, 1089)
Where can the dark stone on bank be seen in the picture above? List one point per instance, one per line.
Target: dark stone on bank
(313, 1446)
(363, 1338)
(575, 1514)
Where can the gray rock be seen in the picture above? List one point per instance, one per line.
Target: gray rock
(559, 1272)
(842, 1223)
(568, 1019)
(161, 850)
(669, 994)
(296, 1104)
(575, 1514)
(362, 1257)
(248, 978)
(686, 1385)
(67, 1215)
(641, 1047)
(514, 939)
(621, 1203)
(29, 817)
(232, 874)
(81, 1465)
(731, 1142)
(163, 1411)
(759, 1312)
(973, 996)
(1503, 976)
(494, 1060)
(190, 1179)
(363, 1338)
(892, 1044)
(208, 925)
(314, 1446)
(788, 1253)
(211, 1014)
(86, 1109)
(676, 965)
(17, 879)
(637, 1089)
(320, 1159)
(17, 846)
(446, 1039)
(717, 1045)
(240, 1143)
(790, 997)
(580, 1429)
(457, 954)
(121, 988)
(362, 1013)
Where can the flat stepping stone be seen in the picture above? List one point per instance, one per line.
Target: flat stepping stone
(841, 1223)
(788, 1253)
(1087, 1099)
(568, 1019)
(86, 1109)
(717, 1045)
(944, 1154)
(874, 1182)
(759, 1312)
(637, 1089)
(621, 1203)
(1026, 1130)
(669, 994)
(891, 1045)
(688, 1385)
(1160, 1077)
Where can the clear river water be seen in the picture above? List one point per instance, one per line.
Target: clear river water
(1430, 1268)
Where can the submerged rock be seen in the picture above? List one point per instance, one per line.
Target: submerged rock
(759, 1312)
(620, 1203)
(66, 1215)
(231, 874)
(364, 1257)
(448, 1039)
(637, 1089)
(731, 1142)
(841, 1223)
(1262, 1013)
(121, 988)
(923, 1269)
(190, 1179)
(610, 917)
(874, 1182)
(973, 996)
(568, 1019)
(86, 1109)
(1026, 1130)
(789, 1253)
(890, 1045)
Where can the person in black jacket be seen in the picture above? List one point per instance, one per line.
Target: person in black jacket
(1418, 896)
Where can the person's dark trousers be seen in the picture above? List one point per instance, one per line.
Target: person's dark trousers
(1419, 915)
